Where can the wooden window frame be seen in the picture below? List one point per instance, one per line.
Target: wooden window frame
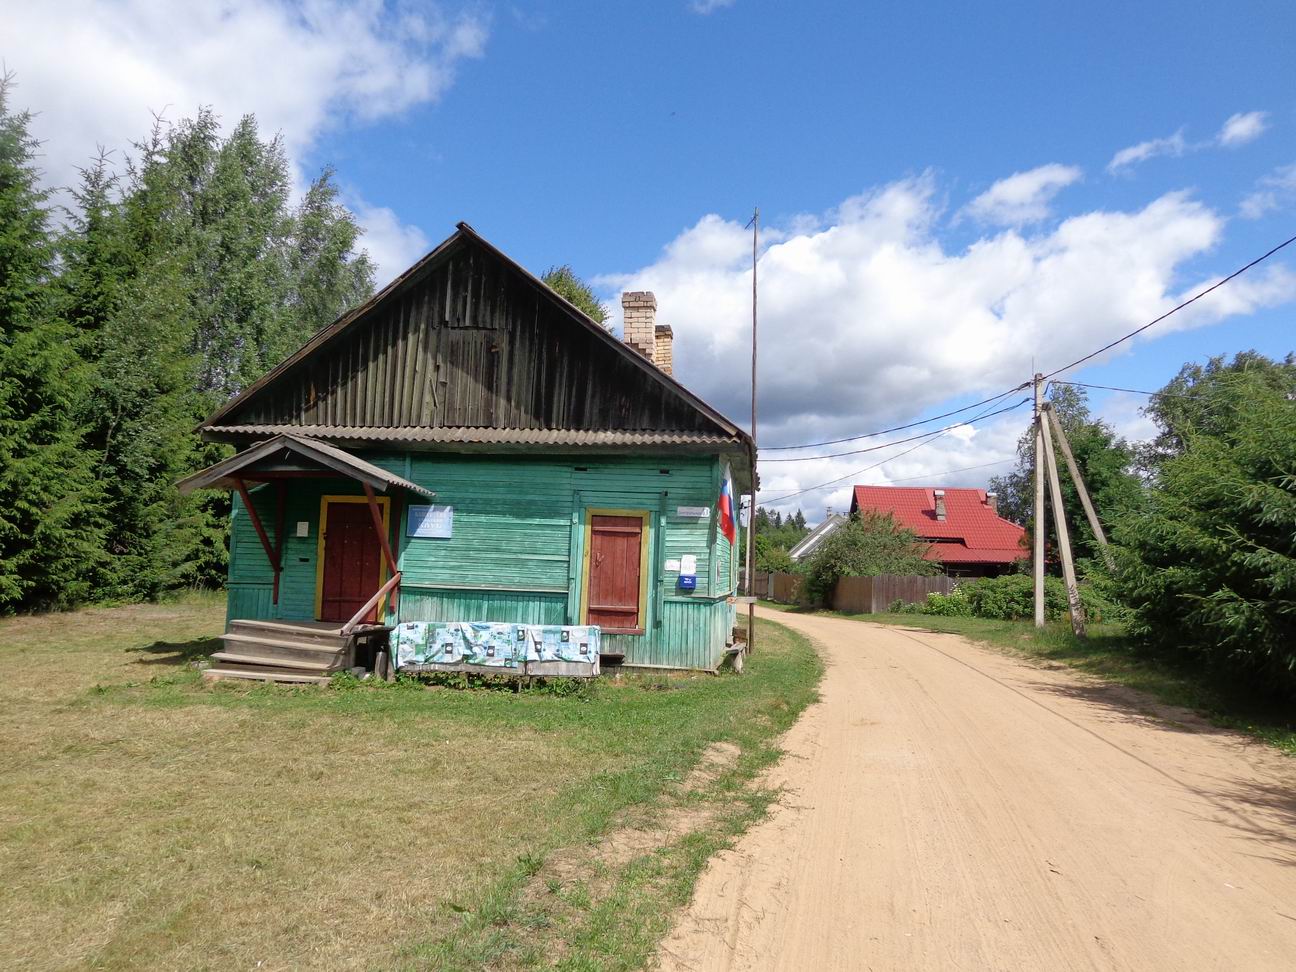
(645, 547)
(385, 503)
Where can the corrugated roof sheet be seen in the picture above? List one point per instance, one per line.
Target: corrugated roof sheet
(482, 436)
(812, 539)
(983, 536)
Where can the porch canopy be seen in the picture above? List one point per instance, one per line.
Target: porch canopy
(290, 456)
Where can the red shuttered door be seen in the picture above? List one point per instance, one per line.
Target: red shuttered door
(352, 562)
(616, 544)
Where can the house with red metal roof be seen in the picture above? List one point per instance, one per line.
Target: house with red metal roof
(968, 537)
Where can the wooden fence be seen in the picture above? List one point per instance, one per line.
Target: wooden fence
(855, 595)
(873, 595)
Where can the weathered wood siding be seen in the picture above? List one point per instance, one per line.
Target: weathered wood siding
(470, 343)
(517, 547)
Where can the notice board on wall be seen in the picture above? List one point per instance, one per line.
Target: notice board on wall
(430, 521)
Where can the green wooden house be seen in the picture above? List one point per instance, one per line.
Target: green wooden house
(469, 446)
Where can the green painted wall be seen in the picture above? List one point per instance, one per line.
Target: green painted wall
(517, 547)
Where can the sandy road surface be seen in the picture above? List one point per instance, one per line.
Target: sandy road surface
(951, 808)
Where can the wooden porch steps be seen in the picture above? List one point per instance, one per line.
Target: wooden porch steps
(280, 651)
(264, 673)
(288, 649)
(284, 630)
(320, 666)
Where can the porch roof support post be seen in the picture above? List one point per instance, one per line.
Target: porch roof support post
(271, 555)
(376, 513)
(280, 487)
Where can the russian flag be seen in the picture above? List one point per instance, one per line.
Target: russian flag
(727, 506)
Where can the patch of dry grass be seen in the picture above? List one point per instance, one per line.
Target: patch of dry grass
(148, 821)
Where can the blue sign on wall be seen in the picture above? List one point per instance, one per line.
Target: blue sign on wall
(430, 521)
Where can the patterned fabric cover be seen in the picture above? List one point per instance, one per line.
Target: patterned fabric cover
(493, 644)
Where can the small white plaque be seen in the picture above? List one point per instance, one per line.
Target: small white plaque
(430, 521)
(673, 565)
(696, 512)
(303, 528)
(688, 564)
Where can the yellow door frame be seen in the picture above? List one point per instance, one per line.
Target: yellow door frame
(385, 503)
(645, 545)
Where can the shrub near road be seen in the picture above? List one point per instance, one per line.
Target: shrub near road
(147, 821)
(1208, 560)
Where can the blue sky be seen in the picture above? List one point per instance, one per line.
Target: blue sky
(633, 139)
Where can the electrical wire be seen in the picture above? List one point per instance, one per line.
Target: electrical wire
(1132, 391)
(859, 472)
(887, 445)
(950, 472)
(898, 428)
(1173, 310)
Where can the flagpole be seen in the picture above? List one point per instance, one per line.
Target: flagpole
(751, 510)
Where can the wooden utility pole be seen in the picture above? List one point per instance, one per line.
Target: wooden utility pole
(1038, 559)
(751, 510)
(1074, 470)
(1064, 539)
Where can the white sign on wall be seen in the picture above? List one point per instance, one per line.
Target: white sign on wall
(697, 512)
(430, 521)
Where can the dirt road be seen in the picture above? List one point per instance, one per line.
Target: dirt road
(951, 808)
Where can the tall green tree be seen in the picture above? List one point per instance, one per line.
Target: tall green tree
(1208, 559)
(563, 279)
(49, 524)
(1107, 464)
(187, 277)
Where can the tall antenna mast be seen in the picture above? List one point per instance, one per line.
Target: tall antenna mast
(751, 512)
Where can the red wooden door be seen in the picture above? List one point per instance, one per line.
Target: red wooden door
(614, 573)
(352, 559)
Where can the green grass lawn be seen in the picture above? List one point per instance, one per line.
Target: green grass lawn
(1108, 654)
(148, 820)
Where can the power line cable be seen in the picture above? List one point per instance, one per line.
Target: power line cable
(860, 472)
(1173, 310)
(1134, 391)
(887, 445)
(898, 428)
(950, 472)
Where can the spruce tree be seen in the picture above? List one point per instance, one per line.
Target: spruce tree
(49, 521)
(187, 278)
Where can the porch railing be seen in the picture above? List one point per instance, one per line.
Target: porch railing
(373, 602)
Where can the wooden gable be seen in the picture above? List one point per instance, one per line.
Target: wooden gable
(467, 339)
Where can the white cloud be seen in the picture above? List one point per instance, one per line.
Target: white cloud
(1239, 129)
(393, 246)
(1023, 197)
(1242, 128)
(1125, 413)
(1172, 145)
(709, 6)
(867, 320)
(1273, 191)
(94, 72)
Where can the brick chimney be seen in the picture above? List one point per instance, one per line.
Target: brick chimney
(664, 348)
(640, 311)
(939, 494)
(992, 501)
